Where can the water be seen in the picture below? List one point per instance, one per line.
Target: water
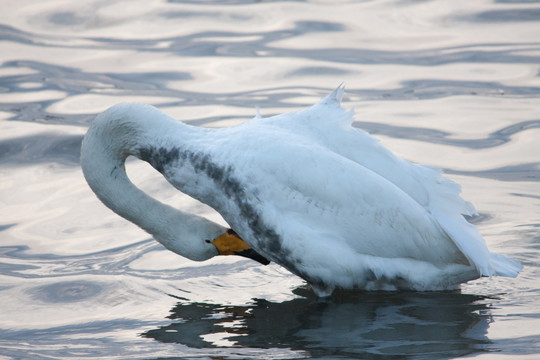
(454, 84)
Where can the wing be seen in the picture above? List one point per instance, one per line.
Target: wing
(329, 219)
(332, 198)
(299, 187)
(330, 125)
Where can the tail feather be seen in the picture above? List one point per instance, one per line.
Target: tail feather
(503, 265)
(335, 96)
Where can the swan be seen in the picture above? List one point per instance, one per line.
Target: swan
(304, 189)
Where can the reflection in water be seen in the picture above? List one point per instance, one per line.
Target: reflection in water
(353, 324)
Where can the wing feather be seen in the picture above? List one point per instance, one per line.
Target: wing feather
(328, 124)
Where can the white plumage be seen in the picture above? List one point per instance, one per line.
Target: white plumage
(304, 189)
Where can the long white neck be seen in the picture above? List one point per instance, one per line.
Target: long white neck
(124, 130)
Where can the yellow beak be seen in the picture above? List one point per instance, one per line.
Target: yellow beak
(231, 244)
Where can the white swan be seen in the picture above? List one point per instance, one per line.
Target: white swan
(304, 189)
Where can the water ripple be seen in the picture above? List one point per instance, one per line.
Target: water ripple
(507, 15)
(519, 172)
(493, 139)
(66, 291)
(202, 44)
(111, 261)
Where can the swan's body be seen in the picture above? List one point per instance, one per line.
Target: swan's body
(305, 190)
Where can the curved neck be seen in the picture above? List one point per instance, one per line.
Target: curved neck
(123, 131)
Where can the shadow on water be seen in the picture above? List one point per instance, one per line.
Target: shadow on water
(363, 325)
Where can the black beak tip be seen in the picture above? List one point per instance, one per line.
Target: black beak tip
(252, 254)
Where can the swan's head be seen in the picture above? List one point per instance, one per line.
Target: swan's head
(200, 239)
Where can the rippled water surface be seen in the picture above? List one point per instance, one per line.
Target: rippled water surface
(453, 84)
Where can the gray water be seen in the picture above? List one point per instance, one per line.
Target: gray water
(453, 84)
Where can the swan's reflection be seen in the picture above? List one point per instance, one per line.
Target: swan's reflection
(350, 324)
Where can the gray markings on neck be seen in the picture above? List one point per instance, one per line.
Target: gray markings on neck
(163, 160)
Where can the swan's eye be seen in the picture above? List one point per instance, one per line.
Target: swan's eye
(208, 241)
